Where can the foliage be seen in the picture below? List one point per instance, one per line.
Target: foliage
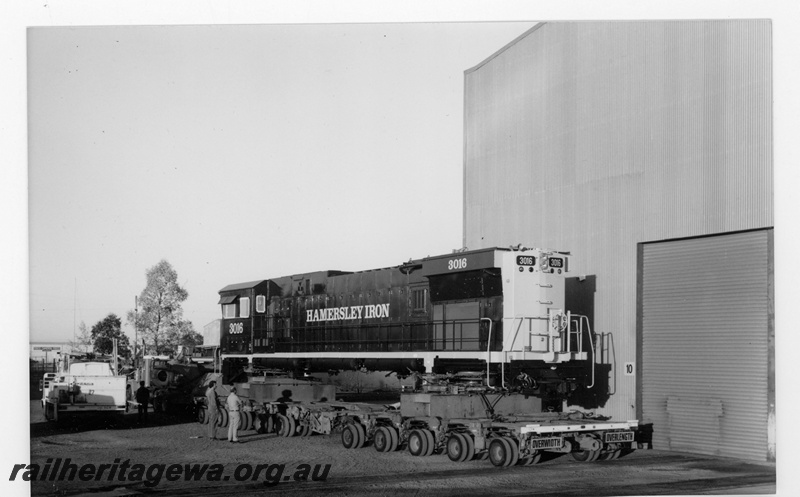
(83, 342)
(160, 322)
(103, 334)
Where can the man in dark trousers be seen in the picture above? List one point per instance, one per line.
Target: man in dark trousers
(212, 409)
(143, 398)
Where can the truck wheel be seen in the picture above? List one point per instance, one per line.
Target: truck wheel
(247, 420)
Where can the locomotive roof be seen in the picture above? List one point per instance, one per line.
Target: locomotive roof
(411, 262)
(242, 286)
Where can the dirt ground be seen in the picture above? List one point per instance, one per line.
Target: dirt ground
(170, 440)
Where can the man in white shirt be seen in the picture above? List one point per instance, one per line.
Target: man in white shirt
(234, 404)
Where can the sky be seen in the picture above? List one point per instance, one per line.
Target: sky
(238, 142)
(238, 153)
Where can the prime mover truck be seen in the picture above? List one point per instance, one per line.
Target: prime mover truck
(87, 387)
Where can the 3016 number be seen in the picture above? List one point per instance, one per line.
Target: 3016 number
(236, 328)
(457, 264)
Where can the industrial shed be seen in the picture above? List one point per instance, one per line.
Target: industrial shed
(646, 150)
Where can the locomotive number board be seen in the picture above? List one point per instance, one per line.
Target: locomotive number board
(459, 262)
(526, 260)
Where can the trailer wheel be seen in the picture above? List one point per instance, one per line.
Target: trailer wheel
(499, 452)
(431, 442)
(417, 443)
(531, 460)
(362, 435)
(246, 421)
(514, 451)
(222, 418)
(503, 452)
(382, 439)
(395, 438)
(351, 436)
(266, 424)
(201, 416)
(470, 455)
(456, 447)
(610, 455)
(285, 425)
(303, 430)
(586, 455)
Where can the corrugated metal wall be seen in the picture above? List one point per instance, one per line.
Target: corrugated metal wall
(594, 136)
(705, 344)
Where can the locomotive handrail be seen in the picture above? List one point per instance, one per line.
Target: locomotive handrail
(580, 320)
(488, 350)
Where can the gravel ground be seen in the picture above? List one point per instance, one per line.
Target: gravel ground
(171, 440)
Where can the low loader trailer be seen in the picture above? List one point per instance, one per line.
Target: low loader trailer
(506, 428)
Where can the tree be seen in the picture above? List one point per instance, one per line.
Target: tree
(83, 343)
(160, 319)
(187, 336)
(104, 333)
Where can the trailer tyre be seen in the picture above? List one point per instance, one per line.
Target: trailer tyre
(417, 443)
(269, 424)
(514, 445)
(247, 420)
(201, 416)
(395, 438)
(351, 436)
(456, 447)
(499, 452)
(222, 418)
(503, 452)
(586, 455)
(431, 442)
(285, 425)
(531, 460)
(362, 435)
(610, 455)
(382, 439)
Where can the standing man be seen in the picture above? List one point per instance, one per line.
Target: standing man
(234, 404)
(142, 398)
(212, 410)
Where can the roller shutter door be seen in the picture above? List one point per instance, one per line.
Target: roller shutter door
(705, 356)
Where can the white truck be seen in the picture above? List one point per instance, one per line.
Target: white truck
(87, 387)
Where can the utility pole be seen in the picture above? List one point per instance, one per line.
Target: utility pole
(135, 326)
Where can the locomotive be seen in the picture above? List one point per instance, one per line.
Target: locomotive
(494, 316)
